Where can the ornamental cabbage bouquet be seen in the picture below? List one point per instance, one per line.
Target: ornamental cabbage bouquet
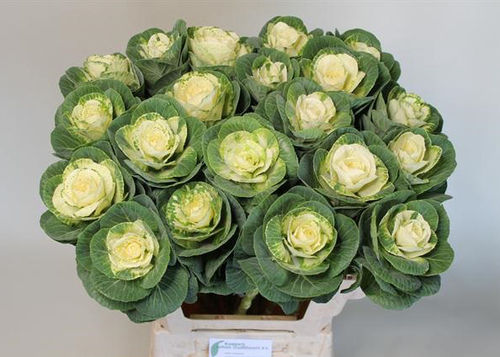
(266, 169)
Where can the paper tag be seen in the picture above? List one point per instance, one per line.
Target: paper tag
(220, 347)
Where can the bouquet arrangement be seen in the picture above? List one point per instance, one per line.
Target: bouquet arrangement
(202, 162)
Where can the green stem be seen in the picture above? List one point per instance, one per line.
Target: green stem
(246, 302)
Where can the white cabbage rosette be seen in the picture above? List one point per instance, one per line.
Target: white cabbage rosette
(212, 46)
(265, 71)
(202, 222)
(158, 142)
(335, 67)
(114, 66)
(306, 113)
(80, 190)
(363, 41)
(426, 160)
(350, 168)
(207, 95)
(245, 156)
(296, 240)
(125, 262)
(160, 55)
(406, 248)
(399, 110)
(409, 110)
(86, 114)
(270, 74)
(285, 33)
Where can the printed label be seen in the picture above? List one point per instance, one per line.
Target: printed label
(220, 347)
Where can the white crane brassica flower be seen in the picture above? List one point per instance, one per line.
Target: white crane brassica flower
(207, 95)
(363, 41)
(337, 72)
(285, 33)
(86, 114)
(426, 160)
(161, 56)
(296, 246)
(350, 168)
(81, 190)
(405, 251)
(265, 71)
(270, 74)
(328, 61)
(98, 67)
(212, 46)
(160, 144)
(125, 262)
(247, 157)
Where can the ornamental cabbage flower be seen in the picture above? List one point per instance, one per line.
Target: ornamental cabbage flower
(337, 72)
(350, 168)
(306, 113)
(125, 262)
(401, 110)
(114, 66)
(297, 247)
(406, 248)
(408, 110)
(426, 160)
(81, 190)
(285, 33)
(202, 222)
(158, 142)
(212, 46)
(206, 95)
(161, 56)
(330, 63)
(86, 114)
(265, 71)
(245, 156)
(270, 74)
(363, 41)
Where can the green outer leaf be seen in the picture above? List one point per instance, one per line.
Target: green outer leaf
(386, 273)
(59, 231)
(347, 244)
(440, 258)
(252, 268)
(84, 276)
(168, 295)
(120, 290)
(382, 298)
(417, 266)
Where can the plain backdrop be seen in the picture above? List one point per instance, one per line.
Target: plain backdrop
(449, 54)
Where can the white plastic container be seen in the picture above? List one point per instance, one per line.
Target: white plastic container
(311, 336)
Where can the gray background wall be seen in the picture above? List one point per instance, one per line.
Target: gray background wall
(449, 53)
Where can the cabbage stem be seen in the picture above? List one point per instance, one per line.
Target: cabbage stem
(246, 302)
